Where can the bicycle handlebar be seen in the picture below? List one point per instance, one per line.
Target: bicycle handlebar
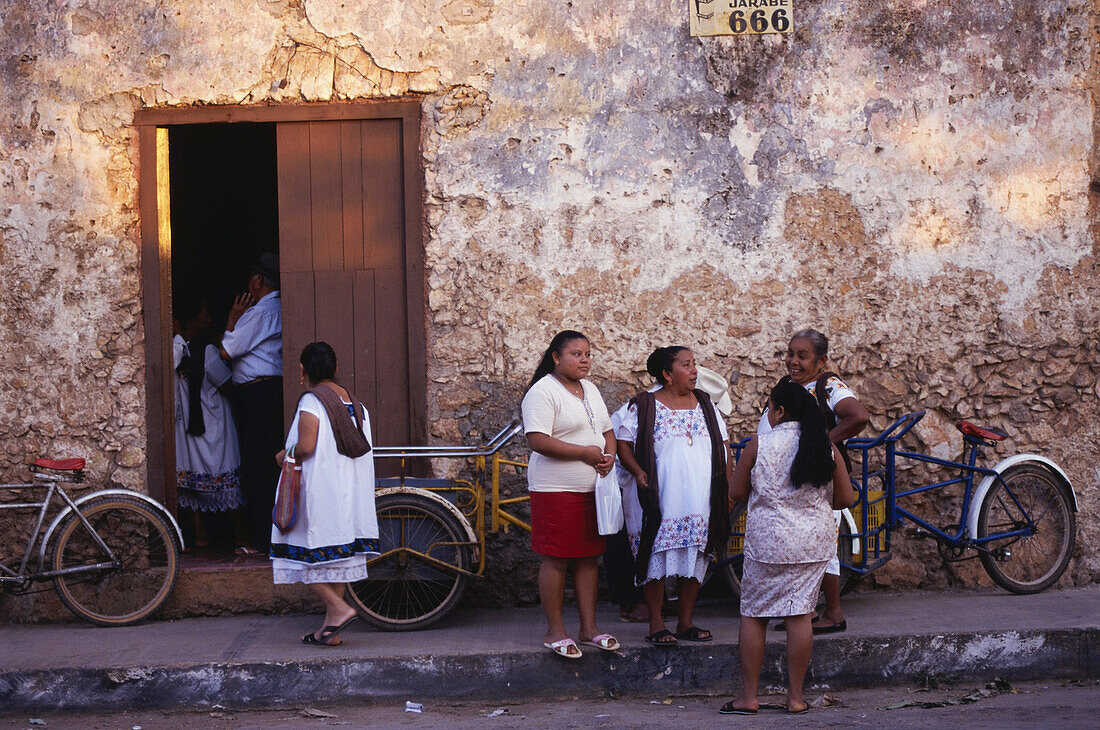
(494, 445)
(905, 423)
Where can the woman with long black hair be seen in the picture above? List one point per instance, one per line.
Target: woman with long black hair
(784, 475)
(569, 431)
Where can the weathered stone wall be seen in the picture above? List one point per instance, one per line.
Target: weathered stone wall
(911, 177)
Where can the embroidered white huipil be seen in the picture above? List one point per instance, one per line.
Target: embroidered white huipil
(682, 447)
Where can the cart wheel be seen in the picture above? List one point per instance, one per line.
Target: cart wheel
(734, 551)
(143, 543)
(1027, 563)
(404, 590)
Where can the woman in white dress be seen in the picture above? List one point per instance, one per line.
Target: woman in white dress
(674, 445)
(337, 528)
(208, 457)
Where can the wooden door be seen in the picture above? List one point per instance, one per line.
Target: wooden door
(352, 263)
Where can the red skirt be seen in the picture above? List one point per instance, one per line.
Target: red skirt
(563, 525)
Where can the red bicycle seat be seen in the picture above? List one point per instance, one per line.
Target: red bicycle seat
(60, 465)
(970, 429)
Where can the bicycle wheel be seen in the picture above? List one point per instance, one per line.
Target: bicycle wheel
(404, 590)
(144, 545)
(1027, 563)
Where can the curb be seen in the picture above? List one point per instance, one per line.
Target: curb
(837, 662)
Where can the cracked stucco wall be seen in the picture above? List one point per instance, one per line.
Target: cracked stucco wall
(911, 177)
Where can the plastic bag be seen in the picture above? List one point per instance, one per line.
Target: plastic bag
(609, 504)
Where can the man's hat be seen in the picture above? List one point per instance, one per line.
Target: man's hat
(268, 266)
(716, 387)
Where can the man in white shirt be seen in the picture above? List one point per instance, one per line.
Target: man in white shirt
(253, 345)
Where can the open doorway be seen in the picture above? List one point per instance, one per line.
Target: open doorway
(224, 218)
(336, 190)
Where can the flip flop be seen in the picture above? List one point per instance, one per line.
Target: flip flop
(246, 550)
(781, 625)
(803, 711)
(659, 638)
(626, 618)
(729, 709)
(561, 648)
(606, 642)
(831, 628)
(695, 634)
(311, 639)
(327, 633)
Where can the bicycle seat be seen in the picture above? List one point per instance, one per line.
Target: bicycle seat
(969, 429)
(60, 465)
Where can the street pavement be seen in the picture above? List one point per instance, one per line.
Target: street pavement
(258, 660)
(1056, 704)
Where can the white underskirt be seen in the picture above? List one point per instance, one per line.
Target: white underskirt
(336, 571)
(688, 562)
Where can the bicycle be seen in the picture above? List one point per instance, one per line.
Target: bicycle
(432, 534)
(1019, 520)
(112, 554)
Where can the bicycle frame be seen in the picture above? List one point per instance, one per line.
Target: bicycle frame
(871, 558)
(486, 456)
(895, 514)
(52, 486)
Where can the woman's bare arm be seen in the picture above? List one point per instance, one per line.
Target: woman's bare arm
(557, 449)
(843, 496)
(851, 418)
(308, 426)
(630, 462)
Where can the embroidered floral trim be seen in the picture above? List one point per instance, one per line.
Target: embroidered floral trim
(679, 532)
(209, 492)
(323, 554)
(200, 482)
(673, 423)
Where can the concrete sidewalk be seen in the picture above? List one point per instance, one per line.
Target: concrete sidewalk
(242, 660)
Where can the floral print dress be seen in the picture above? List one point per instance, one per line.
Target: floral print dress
(789, 534)
(683, 451)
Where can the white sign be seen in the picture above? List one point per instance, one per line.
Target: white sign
(740, 17)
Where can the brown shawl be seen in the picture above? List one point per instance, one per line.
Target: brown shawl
(718, 526)
(350, 440)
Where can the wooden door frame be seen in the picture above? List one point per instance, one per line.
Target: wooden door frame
(156, 256)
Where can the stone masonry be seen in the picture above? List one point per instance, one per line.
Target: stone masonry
(911, 177)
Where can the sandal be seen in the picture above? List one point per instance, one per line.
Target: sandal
(831, 628)
(802, 711)
(327, 633)
(562, 647)
(694, 634)
(729, 709)
(310, 638)
(607, 642)
(661, 638)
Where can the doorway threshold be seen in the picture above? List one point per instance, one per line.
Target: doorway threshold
(209, 560)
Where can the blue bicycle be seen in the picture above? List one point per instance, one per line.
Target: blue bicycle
(1018, 517)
